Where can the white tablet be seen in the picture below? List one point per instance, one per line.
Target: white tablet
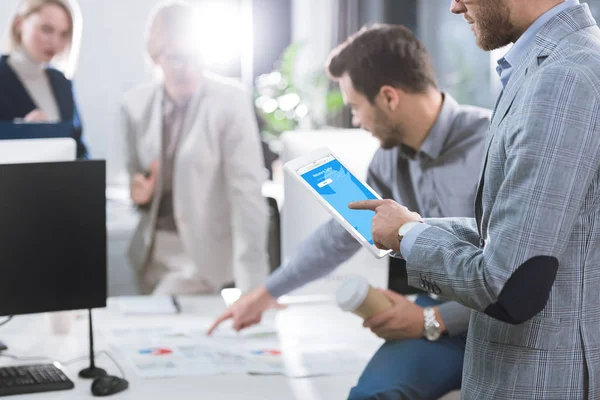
(335, 187)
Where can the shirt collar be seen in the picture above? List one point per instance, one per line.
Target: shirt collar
(515, 56)
(170, 105)
(434, 143)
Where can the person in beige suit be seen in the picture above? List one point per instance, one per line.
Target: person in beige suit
(196, 170)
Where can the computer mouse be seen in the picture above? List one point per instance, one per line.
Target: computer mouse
(108, 385)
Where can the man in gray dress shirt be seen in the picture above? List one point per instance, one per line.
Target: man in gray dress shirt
(430, 155)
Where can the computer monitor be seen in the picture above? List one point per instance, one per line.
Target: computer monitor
(35, 130)
(52, 237)
(302, 214)
(37, 150)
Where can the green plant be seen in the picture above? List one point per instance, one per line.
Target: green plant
(285, 102)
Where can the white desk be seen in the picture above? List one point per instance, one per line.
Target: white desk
(28, 336)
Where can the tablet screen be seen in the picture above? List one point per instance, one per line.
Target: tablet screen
(339, 187)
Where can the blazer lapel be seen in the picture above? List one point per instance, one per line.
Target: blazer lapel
(22, 101)
(503, 104)
(191, 114)
(512, 89)
(62, 96)
(154, 134)
(565, 23)
(548, 37)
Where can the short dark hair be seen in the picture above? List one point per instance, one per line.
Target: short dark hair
(383, 54)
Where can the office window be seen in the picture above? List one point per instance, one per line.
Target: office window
(594, 7)
(463, 70)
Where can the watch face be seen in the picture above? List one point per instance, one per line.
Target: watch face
(433, 332)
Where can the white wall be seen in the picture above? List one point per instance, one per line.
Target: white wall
(112, 61)
(312, 25)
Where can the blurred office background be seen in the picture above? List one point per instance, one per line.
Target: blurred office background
(245, 39)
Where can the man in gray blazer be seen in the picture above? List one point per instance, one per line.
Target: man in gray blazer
(529, 263)
(431, 151)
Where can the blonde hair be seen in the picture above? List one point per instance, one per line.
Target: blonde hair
(168, 22)
(67, 60)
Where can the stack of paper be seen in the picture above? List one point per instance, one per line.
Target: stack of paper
(147, 305)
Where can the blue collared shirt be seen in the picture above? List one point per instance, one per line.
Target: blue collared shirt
(515, 56)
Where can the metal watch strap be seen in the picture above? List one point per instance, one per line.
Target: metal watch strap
(432, 326)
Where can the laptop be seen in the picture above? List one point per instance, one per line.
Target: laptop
(11, 131)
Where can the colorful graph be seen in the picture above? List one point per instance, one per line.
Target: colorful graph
(156, 351)
(266, 352)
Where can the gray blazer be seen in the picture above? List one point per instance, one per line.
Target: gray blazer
(529, 264)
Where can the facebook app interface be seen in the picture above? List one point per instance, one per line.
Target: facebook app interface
(339, 187)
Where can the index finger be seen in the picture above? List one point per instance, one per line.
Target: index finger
(365, 204)
(225, 316)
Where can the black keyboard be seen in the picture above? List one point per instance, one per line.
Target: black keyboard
(24, 379)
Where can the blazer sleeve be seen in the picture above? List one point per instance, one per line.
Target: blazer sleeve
(464, 229)
(244, 175)
(552, 159)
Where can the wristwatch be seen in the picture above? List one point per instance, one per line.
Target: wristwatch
(404, 230)
(433, 329)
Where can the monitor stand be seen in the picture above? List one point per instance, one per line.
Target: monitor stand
(92, 371)
(3, 346)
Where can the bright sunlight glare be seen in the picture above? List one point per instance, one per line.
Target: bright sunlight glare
(218, 31)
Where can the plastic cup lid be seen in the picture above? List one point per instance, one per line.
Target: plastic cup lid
(352, 292)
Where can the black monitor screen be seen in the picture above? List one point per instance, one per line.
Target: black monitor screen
(52, 237)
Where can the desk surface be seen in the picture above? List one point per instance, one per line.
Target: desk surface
(29, 336)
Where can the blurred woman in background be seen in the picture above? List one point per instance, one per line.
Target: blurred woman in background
(42, 51)
(196, 170)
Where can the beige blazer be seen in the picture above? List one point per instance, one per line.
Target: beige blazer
(220, 212)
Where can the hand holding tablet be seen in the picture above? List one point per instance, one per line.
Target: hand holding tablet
(335, 187)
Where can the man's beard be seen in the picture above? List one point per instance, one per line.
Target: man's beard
(389, 136)
(387, 132)
(494, 27)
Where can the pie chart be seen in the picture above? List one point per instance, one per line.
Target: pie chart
(156, 351)
(266, 352)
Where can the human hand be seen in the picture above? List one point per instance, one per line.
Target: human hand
(36, 115)
(248, 310)
(142, 188)
(389, 217)
(404, 320)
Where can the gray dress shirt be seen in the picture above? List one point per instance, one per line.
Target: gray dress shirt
(440, 180)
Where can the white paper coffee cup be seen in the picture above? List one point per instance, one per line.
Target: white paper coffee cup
(60, 322)
(356, 295)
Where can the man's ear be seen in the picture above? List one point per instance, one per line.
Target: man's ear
(389, 97)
